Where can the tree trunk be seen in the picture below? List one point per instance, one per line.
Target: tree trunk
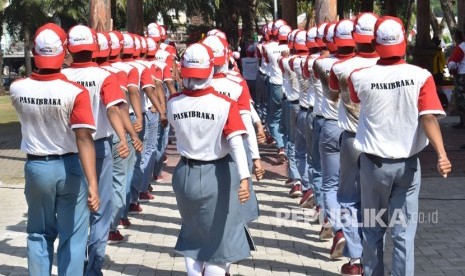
(408, 16)
(461, 15)
(289, 10)
(423, 52)
(247, 11)
(390, 7)
(366, 5)
(27, 51)
(2, 88)
(135, 17)
(436, 26)
(229, 15)
(100, 15)
(446, 6)
(340, 9)
(325, 10)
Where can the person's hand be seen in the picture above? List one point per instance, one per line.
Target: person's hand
(444, 166)
(137, 144)
(93, 200)
(261, 136)
(163, 120)
(138, 125)
(123, 150)
(258, 169)
(244, 190)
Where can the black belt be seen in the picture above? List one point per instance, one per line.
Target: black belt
(304, 108)
(284, 98)
(49, 157)
(294, 102)
(318, 116)
(192, 162)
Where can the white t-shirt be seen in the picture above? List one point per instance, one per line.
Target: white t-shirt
(304, 99)
(322, 68)
(146, 80)
(315, 91)
(290, 82)
(249, 68)
(203, 121)
(232, 87)
(103, 90)
(273, 52)
(348, 111)
(392, 99)
(49, 107)
(133, 77)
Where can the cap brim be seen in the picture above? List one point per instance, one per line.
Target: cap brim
(218, 61)
(359, 38)
(199, 73)
(344, 42)
(331, 46)
(55, 62)
(151, 52)
(386, 51)
(103, 53)
(320, 42)
(83, 47)
(312, 44)
(300, 47)
(115, 52)
(282, 37)
(128, 51)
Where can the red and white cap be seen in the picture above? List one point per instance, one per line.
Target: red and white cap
(390, 37)
(128, 44)
(143, 44)
(104, 43)
(283, 32)
(162, 32)
(219, 49)
(320, 34)
(236, 55)
(300, 40)
(220, 34)
(137, 45)
(276, 25)
(212, 32)
(311, 38)
(290, 38)
(364, 26)
(116, 42)
(153, 31)
(82, 38)
(49, 46)
(197, 62)
(269, 28)
(151, 46)
(343, 33)
(329, 37)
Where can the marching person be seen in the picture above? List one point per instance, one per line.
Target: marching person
(211, 179)
(349, 34)
(398, 115)
(56, 127)
(105, 97)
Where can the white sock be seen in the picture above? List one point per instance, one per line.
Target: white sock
(216, 269)
(193, 267)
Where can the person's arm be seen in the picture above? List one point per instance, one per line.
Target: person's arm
(162, 100)
(170, 86)
(85, 145)
(114, 116)
(251, 140)
(129, 127)
(334, 89)
(240, 158)
(433, 132)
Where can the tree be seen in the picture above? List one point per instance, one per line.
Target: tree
(325, 10)
(2, 11)
(135, 19)
(447, 9)
(100, 14)
(23, 17)
(289, 8)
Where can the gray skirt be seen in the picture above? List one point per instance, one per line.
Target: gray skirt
(213, 225)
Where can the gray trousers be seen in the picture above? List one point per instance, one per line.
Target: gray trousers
(390, 189)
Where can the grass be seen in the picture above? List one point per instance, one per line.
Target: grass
(7, 111)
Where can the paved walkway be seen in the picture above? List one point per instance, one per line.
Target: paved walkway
(284, 247)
